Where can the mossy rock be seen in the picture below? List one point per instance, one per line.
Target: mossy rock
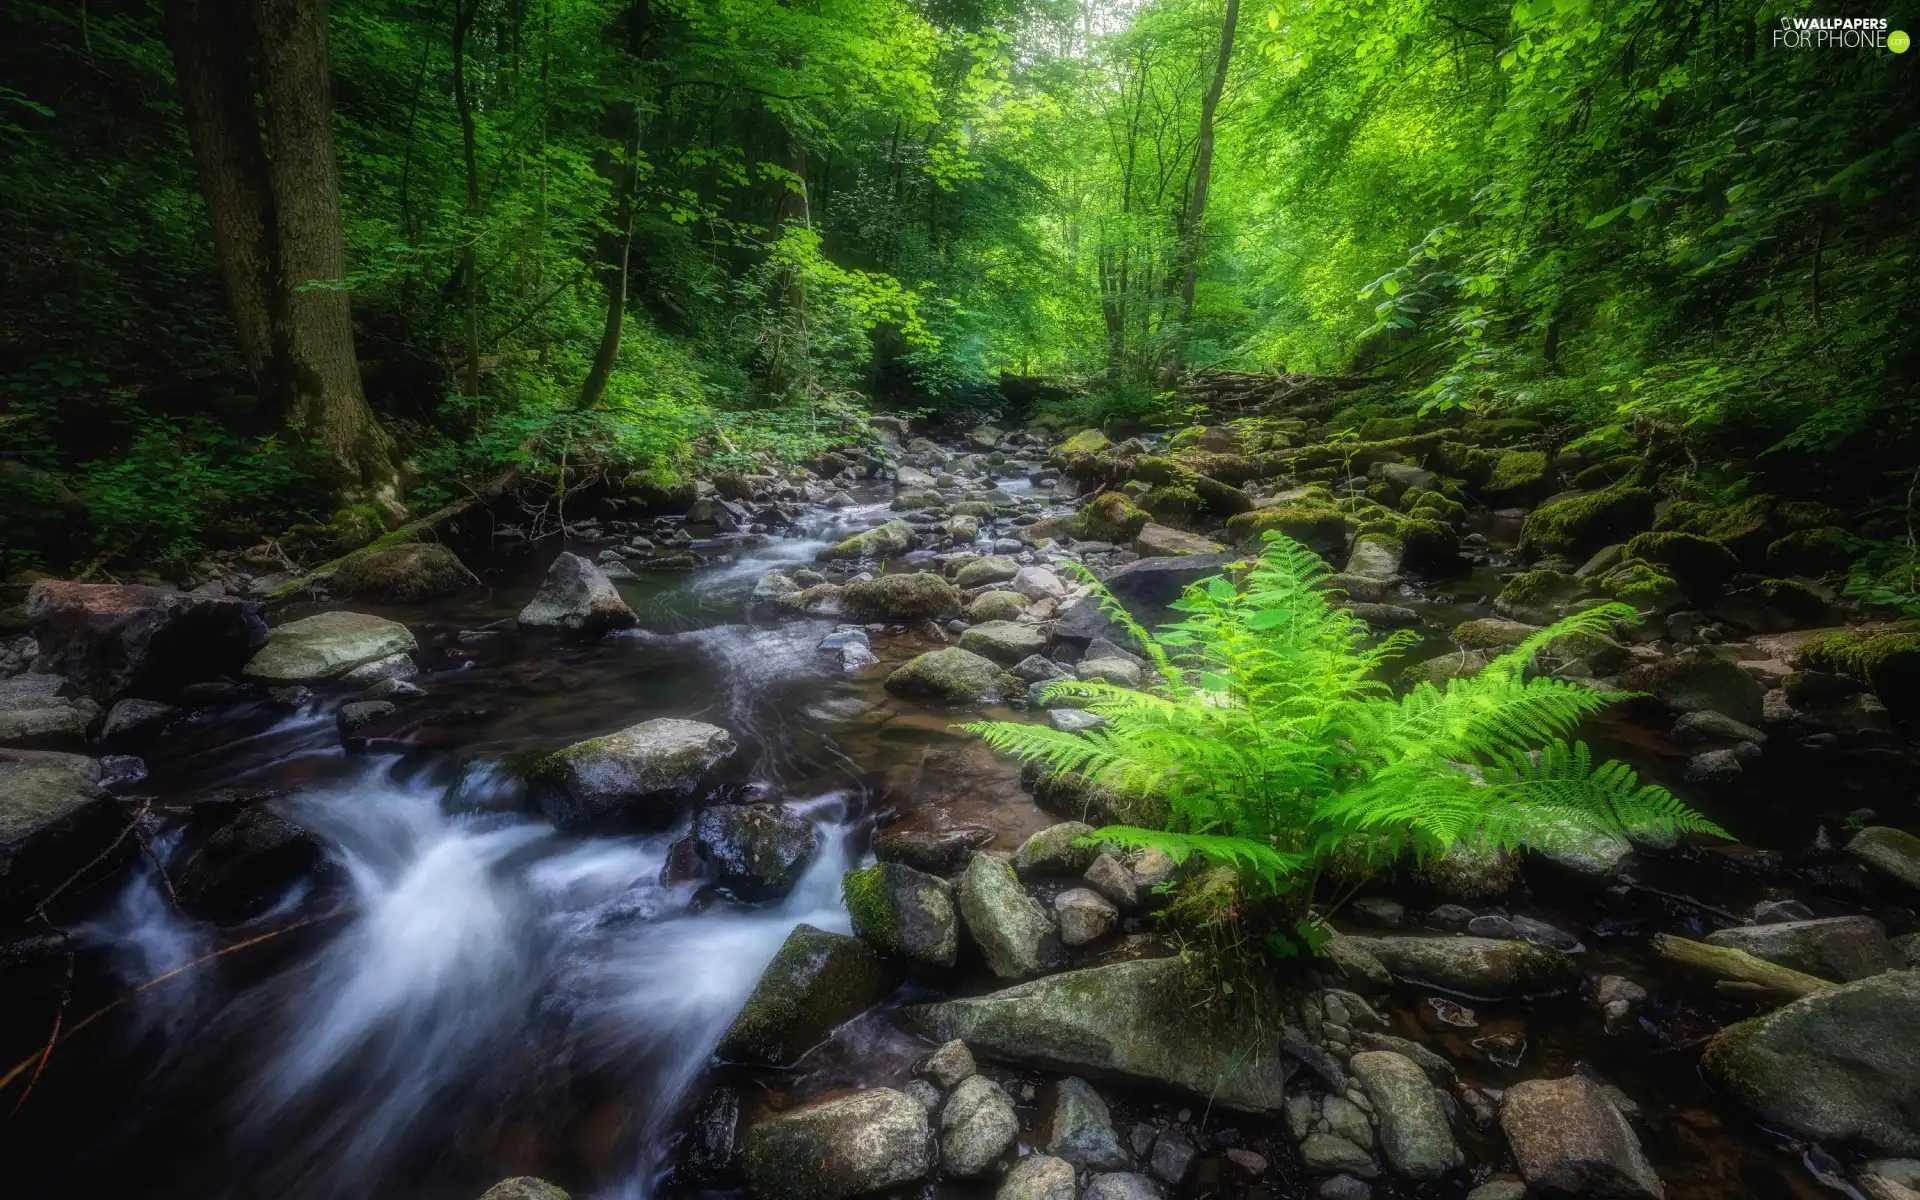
(1518, 475)
(1701, 565)
(817, 981)
(1602, 475)
(1382, 429)
(1746, 528)
(1454, 664)
(1887, 661)
(1502, 431)
(1176, 505)
(1772, 606)
(953, 676)
(1794, 516)
(1111, 517)
(1432, 547)
(400, 574)
(354, 526)
(1578, 525)
(900, 597)
(1642, 585)
(1436, 506)
(1470, 464)
(1320, 528)
(1087, 441)
(1822, 550)
(1539, 597)
(882, 541)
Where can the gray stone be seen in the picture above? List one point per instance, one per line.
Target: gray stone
(1695, 727)
(1173, 1158)
(1329, 1154)
(887, 540)
(1343, 1187)
(640, 774)
(132, 722)
(1413, 1126)
(1159, 541)
(1037, 583)
(1008, 925)
(1138, 1021)
(1838, 948)
(1484, 968)
(925, 1092)
(576, 597)
(904, 911)
(817, 981)
(401, 574)
(526, 1187)
(1500, 1189)
(1112, 880)
(1591, 853)
(393, 689)
(43, 712)
(1568, 1137)
(952, 676)
(1838, 1065)
(1004, 641)
(1145, 588)
(949, 1063)
(1894, 853)
(936, 851)
(755, 851)
(1118, 671)
(327, 646)
(1121, 1185)
(1344, 1119)
(900, 596)
(1035, 669)
(1075, 720)
(247, 864)
(115, 640)
(996, 606)
(358, 714)
(992, 568)
(1055, 850)
(1037, 1177)
(976, 1127)
(1084, 916)
(1082, 1128)
(772, 586)
(1438, 1069)
(1255, 1165)
(841, 1147)
(54, 818)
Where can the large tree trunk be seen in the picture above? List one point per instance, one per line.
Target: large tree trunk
(329, 403)
(464, 12)
(616, 254)
(1196, 211)
(209, 42)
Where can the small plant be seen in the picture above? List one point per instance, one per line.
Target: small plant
(1280, 755)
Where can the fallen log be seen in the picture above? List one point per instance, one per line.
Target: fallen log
(1739, 973)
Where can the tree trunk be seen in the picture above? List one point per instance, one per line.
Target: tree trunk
(209, 42)
(615, 259)
(463, 15)
(1196, 213)
(329, 404)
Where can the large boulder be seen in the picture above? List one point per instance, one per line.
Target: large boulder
(817, 981)
(247, 864)
(886, 540)
(1700, 683)
(44, 712)
(1413, 1125)
(577, 597)
(640, 775)
(1578, 525)
(993, 568)
(1485, 968)
(756, 851)
(1151, 1021)
(1158, 541)
(977, 1124)
(1011, 928)
(904, 912)
(114, 640)
(1004, 641)
(400, 574)
(953, 676)
(1894, 853)
(841, 1147)
(54, 818)
(1319, 527)
(1841, 1065)
(1841, 948)
(327, 646)
(1570, 1139)
(1147, 589)
(900, 597)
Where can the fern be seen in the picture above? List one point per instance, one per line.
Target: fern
(1280, 755)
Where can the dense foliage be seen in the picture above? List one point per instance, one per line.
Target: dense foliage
(1280, 754)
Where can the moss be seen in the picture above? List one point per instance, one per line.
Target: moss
(1792, 516)
(1605, 474)
(882, 541)
(1431, 545)
(1887, 661)
(1744, 528)
(1797, 600)
(1642, 585)
(1177, 505)
(1320, 528)
(1111, 517)
(1518, 471)
(1822, 550)
(865, 894)
(1437, 507)
(1579, 525)
(1502, 431)
(1701, 565)
(1382, 429)
(355, 526)
(1539, 597)
(1087, 441)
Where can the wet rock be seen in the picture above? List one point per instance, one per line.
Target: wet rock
(1075, 720)
(1037, 583)
(400, 574)
(1838, 948)
(54, 817)
(952, 676)
(1009, 926)
(1345, 1119)
(113, 640)
(950, 1063)
(992, 568)
(882, 541)
(937, 851)
(1696, 727)
(1139, 1021)
(976, 1127)
(1120, 672)
(327, 646)
(1773, 912)
(1343, 1187)
(1330, 1154)
(1542, 934)
(1158, 541)
(1255, 1165)
(1438, 1069)
(1579, 850)
(358, 714)
(996, 606)
(713, 1137)
(1004, 641)
(756, 851)
(1689, 683)
(772, 586)
(1413, 1126)
(393, 666)
(1084, 916)
(1082, 1128)
(1035, 669)
(1146, 589)
(1173, 1158)
(1379, 912)
(247, 864)
(577, 597)
(814, 600)
(817, 981)
(1354, 961)
(526, 1187)
(1038, 1177)
(1499, 1189)
(1470, 872)
(43, 712)
(1492, 633)
(925, 1092)
(1374, 556)
(136, 722)
(1569, 1138)
(1121, 1185)
(1114, 881)
(838, 1148)
(1539, 597)
(1055, 850)
(904, 912)
(1486, 968)
(1713, 766)
(1838, 1064)
(639, 775)
(393, 689)
(900, 597)
(1894, 853)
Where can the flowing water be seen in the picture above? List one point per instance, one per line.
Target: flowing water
(468, 994)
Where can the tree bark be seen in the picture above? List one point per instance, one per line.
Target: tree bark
(615, 259)
(464, 12)
(1196, 213)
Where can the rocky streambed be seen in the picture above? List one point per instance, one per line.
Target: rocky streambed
(648, 860)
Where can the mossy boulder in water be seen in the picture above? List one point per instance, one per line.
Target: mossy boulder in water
(992, 568)
(904, 912)
(1578, 525)
(1888, 661)
(407, 572)
(525, 1187)
(1699, 683)
(755, 851)
(1745, 528)
(841, 1147)
(953, 676)
(1321, 528)
(1087, 441)
(1642, 585)
(1825, 550)
(639, 775)
(817, 981)
(1539, 597)
(1701, 566)
(326, 646)
(1004, 641)
(1111, 517)
(1517, 476)
(882, 541)
(914, 595)
(1014, 933)
(1488, 968)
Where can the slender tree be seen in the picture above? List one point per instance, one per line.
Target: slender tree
(1196, 209)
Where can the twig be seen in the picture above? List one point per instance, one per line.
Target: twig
(40, 909)
(53, 1038)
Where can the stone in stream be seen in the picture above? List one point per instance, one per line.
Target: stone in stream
(1004, 641)
(1141, 1021)
(953, 676)
(816, 982)
(1839, 948)
(327, 646)
(1893, 853)
(394, 666)
(996, 606)
(1084, 916)
(1120, 672)
(115, 640)
(1121, 1185)
(1081, 1128)
(837, 1148)
(1699, 684)
(887, 540)
(993, 568)
(43, 712)
(399, 574)
(358, 714)
(1038, 1177)
(577, 597)
(247, 864)
(1037, 583)
(1471, 871)
(904, 912)
(1414, 1134)
(1330, 1154)
(1145, 589)
(949, 1063)
(1173, 1158)
(1579, 850)
(1013, 932)
(1055, 850)
(909, 596)
(977, 1124)
(54, 818)
(1484, 968)
(1838, 1065)
(132, 723)
(639, 775)
(937, 851)
(756, 851)
(525, 1187)
(1114, 881)
(1569, 1138)
(1159, 541)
